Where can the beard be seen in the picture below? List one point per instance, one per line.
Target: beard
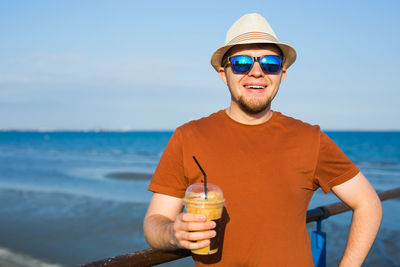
(253, 108)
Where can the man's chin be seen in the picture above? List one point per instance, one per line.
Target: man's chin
(253, 109)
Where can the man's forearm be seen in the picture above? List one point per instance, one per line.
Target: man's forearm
(158, 231)
(364, 227)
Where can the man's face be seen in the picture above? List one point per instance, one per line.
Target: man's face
(254, 91)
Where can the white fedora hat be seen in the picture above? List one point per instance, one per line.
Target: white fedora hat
(252, 29)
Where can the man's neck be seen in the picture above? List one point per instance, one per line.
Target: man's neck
(243, 117)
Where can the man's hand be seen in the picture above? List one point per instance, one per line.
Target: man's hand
(166, 227)
(190, 227)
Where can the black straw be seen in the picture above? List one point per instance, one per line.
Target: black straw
(205, 176)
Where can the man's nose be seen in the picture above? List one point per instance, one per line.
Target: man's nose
(256, 70)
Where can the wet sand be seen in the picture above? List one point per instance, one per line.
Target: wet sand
(129, 176)
(67, 230)
(11, 259)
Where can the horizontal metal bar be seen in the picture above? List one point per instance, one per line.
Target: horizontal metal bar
(336, 208)
(142, 258)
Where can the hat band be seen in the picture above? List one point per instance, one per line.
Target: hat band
(252, 35)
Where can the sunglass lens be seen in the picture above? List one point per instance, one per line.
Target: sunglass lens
(241, 64)
(271, 64)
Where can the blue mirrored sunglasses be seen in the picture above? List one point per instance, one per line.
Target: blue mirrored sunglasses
(270, 64)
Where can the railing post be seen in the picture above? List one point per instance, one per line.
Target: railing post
(318, 246)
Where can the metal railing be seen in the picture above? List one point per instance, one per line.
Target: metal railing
(151, 257)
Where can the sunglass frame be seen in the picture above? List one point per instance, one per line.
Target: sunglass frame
(257, 59)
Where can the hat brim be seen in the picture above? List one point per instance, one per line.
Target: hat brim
(289, 52)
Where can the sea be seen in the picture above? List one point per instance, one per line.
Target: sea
(73, 197)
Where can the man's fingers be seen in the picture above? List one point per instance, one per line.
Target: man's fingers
(191, 217)
(194, 236)
(190, 227)
(194, 245)
(194, 226)
(192, 222)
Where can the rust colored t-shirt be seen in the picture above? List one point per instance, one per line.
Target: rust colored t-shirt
(268, 173)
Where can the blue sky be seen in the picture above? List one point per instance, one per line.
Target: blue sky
(145, 64)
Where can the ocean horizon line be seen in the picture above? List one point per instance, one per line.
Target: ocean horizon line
(77, 130)
(116, 130)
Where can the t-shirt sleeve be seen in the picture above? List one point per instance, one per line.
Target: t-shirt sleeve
(333, 166)
(169, 177)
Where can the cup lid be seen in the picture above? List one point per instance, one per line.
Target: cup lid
(196, 191)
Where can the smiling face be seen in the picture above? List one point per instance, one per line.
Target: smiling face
(253, 92)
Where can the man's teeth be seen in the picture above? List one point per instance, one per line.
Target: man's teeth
(255, 87)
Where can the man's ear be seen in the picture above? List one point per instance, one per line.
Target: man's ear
(283, 74)
(222, 74)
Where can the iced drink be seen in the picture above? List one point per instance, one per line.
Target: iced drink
(211, 207)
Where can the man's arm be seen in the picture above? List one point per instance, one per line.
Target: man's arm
(166, 227)
(361, 197)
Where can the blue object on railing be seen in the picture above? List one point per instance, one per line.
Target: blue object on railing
(318, 246)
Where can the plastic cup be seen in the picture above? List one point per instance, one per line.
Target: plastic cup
(195, 202)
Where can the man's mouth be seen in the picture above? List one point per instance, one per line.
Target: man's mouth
(255, 87)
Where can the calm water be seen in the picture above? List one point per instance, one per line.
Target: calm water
(55, 190)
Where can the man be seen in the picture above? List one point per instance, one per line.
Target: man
(267, 164)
